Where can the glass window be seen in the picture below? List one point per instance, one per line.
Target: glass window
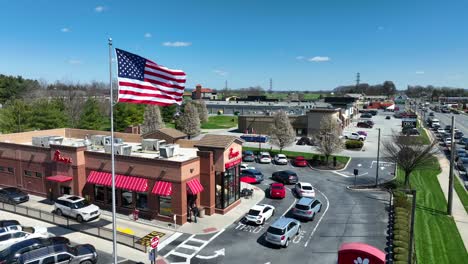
(227, 187)
(127, 199)
(63, 257)
(219, 189)
(28, 173)
(49, 260)
(165, 205)
(2, 168)
(38, 174)
(11, 170)
(142, 201)
(99, 193)
(109, 195)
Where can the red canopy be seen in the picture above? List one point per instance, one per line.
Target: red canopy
(162, 188)
(194, 186)
(60, 178)
(130, 183)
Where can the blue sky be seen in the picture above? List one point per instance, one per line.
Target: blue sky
(302, 45)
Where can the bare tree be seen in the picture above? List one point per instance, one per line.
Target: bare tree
(202, 110)
(408, 154)
(282, 133)
(328, 139)
(189, 121)
(152, 119)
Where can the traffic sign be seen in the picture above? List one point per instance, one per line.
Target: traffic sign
(154, 242)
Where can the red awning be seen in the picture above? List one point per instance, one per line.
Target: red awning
(131, 183)
(162, 188)
(60, 178)
(100, 178)
(194, 186)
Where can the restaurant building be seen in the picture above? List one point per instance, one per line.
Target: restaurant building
(160, 176)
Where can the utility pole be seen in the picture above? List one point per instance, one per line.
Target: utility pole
(452, 158)
(413, 213)
(225, 85)
(358, 79)
(378, 157)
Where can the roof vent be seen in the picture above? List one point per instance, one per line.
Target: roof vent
(152, 144)
(119, 149)
(167, 151)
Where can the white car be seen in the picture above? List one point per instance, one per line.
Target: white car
(354, 136)
(77, 207)
(440, 130)
(264, 157)
(448, 141)
(260, 213)
(281, 159)
(304, 189)
(17, 228)
(14, 236)
(245, 166)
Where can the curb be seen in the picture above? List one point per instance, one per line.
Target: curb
(342, 169)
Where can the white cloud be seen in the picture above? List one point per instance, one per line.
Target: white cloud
(220, 72)
(319, 59)
(419, 72)
(300, 57)
(99, 9)
(177, 44)
(148, 35)
(65, 30)
(74, 62)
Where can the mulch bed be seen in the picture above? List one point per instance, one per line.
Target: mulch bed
(322, 165)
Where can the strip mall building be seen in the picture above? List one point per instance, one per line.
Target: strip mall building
(161, 173)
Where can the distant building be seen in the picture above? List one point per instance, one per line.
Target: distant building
(357, 96)
(347, 105)
(237, 107)
(204, 93)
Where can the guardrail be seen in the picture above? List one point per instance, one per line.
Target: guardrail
(87, 228)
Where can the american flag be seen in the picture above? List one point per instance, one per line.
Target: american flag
(142, 81)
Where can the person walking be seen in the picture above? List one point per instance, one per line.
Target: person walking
(195, 212)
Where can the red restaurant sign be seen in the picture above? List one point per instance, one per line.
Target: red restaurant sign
(232, 163)
(58, 157)
(233, 154)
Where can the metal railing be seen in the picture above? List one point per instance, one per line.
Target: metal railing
(87, 228)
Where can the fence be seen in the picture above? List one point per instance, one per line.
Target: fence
(87, 228)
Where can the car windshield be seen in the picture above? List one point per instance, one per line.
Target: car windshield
(275, 231)
(302, 207)
(300, 158)
(265, 156)
(80, 204)
(254, 212)
(306, 187)
(12, 190)
(276, 187)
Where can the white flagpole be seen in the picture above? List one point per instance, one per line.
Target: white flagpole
(114, 227)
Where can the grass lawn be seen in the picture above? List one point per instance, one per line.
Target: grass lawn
(293, 154)
(170, 125)
(424, 137)
(436, 235)
(219, 122)
(462, 194)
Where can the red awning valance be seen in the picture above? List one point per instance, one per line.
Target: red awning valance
(131, 183)
(60, 178)
(194, 186)
(162, 188)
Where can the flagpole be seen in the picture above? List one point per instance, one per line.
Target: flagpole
(114, 227)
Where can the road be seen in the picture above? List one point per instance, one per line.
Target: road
(461, 121)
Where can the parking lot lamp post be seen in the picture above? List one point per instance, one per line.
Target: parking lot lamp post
(378, 157)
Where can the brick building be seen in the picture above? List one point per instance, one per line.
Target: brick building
(159, 178)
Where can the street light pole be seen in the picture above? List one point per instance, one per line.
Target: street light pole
(378, 157)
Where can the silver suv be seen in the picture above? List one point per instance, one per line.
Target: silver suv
(80, 254)
(306, 208)
(282, 231)
(76, 207)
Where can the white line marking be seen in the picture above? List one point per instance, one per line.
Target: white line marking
(122, 260)
(295, 200)
(189, 247)
(318, 223)
(169, 240)
(199, 240)
(341, 174)
(175, 253)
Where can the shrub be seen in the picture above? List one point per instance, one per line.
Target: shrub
(354, 144)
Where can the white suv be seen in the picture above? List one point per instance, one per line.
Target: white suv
(281, 159)
(304, 189)
(264, 157)
(76, 207)
(355, 136)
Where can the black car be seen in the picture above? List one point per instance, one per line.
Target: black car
(448, 128)
(13, 195)
(254, 175)
(304, 141)
(364, 125)
(286, 177)
(431, 114)
(10, 254)
(5, 223)
(458, 135)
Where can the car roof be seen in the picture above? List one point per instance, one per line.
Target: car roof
(259, 207)
(300, 157)
(282, 222)
(281, 155)
(248, 152)
(305, 201)
(305, 184)
(277, 184)
(264, 153)
(289, 172)
(72, 198)
(43, 251)
(252, 170)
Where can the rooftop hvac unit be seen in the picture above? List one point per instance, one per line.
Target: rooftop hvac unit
(45, 141)
(167, 151)
(152, 144)
(119, 149)
(55, 140)
(97, 139)
(118, 141)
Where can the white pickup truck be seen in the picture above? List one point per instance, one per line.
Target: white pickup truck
(354, 135)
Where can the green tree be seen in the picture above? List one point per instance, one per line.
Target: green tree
(91, 116)
(47, 114)
(168, 113)
(126, 115)
(14, 116)
(282, 133)
(15, 87)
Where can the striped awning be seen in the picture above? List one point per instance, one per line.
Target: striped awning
(131, 183)
(60, 178)
(162, 188)
(194, 186)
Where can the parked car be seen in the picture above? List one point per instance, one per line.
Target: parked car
(462, 164)
(286, 177)
(304, 189)
(354, 136)
(77, 207)
(300, 161)
(440, 131)
(260, 213)
(245, 166)
(18, 228)
(264, 157)
(282, 231)
(281, 159)
(10, 238)
(463, 140)
(13, 195)
(306, 208)
(251, 176)
(80, 254)
(448, 128)
(388, 117)
(435, 125)
(248, 156)
(13, 252)
(458, 134)
(5, 223)
(431, 114)
(364, 125)
(361, 132)
(447, 141)
(304, 141)
(277, 190)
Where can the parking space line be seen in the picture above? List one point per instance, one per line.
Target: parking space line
(168, 240)
(295, 200)
(318, 222)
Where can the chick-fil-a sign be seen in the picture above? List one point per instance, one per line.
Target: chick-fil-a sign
(58, 157)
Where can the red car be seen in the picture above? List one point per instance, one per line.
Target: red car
(300, 162)
(277, 190)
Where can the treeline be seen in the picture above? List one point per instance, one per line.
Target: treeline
(434, 92)
(387, 88)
